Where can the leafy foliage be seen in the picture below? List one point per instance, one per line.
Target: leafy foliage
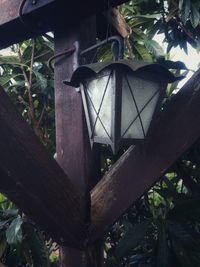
(178, 20)
(21, 241)
(162, 228)
(26, 77)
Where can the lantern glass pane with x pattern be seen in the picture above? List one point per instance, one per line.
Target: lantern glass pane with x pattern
(119, 105)
(139, 99)
(99, 98)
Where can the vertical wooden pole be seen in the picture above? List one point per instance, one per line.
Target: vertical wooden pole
(73, 148)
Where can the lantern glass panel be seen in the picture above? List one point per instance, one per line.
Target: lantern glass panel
(139, 99)
(99, 98)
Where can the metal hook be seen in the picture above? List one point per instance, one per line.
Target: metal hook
(113, 39)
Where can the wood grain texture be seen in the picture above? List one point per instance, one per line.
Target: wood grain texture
(72, 143)
(44, 16)
(9, 10)
(176, 129)
(118, 22)
(14, 29)
(31, 178)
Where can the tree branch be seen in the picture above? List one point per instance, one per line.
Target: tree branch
(30, 84)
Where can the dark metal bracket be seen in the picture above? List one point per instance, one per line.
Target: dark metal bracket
(29, 24)
(113, 39)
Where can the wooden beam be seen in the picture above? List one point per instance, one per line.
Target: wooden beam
(41, 16)
(13, 30)
(177, 128)
(31, 178)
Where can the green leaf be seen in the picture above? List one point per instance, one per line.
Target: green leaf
(36, 103)
(5, 79)
(180, 4)
(174, 86)
(35, 242)
(185, 10)
(50, 45)
(14, 231)
(10, 213)
(3, 245)
(194, 16)
(172, 13)
(41, 80)
(3, 224)
(11, 60)
(132, 238)
(155, 49)
(137, 34)
(174, 64)
(143, 53)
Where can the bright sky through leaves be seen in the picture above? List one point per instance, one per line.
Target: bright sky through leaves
(191, 59)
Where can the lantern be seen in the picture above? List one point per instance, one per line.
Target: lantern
(120, 99)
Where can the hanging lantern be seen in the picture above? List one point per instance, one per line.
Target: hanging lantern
(120, 99)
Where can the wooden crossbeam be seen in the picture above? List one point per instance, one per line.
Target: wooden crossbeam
(177, 128)
(32, 179)
(12, 27)
(41, 16)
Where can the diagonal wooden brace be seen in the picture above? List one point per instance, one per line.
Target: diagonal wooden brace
(177, 128)
(31, 178)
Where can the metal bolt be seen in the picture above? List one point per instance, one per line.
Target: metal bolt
(34, 2)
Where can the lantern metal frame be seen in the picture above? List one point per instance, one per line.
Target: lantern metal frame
(116, 139)
(116, 71)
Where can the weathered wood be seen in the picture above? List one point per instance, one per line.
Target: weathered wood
(176, 129)
(115, 18)
(72, 143)
(31, 178)
(44, 15)
(13, 30)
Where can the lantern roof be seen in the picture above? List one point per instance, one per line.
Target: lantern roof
(86, 71)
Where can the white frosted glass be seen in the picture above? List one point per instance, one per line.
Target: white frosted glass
(135, 131)
(129, 111)
(143, 91)
(96, 89)
(148, 111)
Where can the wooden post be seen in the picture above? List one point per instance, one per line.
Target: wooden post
(73, 148)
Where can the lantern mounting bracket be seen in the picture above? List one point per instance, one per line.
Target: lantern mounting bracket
(118, 53)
